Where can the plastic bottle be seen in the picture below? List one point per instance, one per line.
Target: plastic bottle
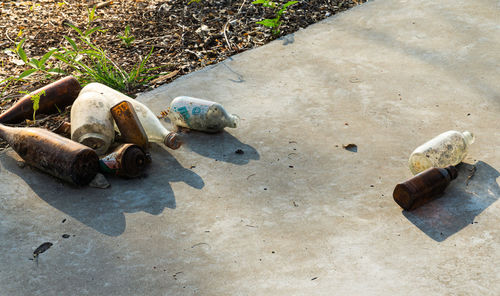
(58, 94)
(155, 131)
(449, 148)
(200, 115)
(423, 187)
(91, 122)
(53, 154)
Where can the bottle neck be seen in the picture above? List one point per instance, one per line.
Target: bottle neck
(469, 137)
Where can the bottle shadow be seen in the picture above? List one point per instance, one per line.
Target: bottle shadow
(220, 146)
(474, 190)
(103, 209)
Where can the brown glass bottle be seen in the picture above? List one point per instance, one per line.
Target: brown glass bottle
(127, 160)
(58, 94)
(424, 187)
(53, 154)
(131, 130)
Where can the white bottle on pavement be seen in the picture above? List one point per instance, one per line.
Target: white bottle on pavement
(91, 122)
(448, 148)
(109, 97)
(202, 115)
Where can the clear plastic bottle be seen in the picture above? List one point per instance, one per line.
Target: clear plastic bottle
(202, 115)
(155, 131)
(91, 122)
(449, 148)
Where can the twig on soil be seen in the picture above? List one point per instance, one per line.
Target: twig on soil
(230, 21)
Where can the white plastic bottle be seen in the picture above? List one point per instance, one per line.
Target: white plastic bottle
(91, 122)
(202, 115)
(154, 129)
(449, 148)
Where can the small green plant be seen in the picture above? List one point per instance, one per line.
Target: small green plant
(126, 37)
(35, 65)
(275, 22)
(35, 98)
(191, 1)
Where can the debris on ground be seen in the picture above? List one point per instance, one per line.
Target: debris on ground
(350, 147)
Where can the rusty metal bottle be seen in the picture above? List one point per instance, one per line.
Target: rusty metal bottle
(53, 154)
(58, 94)
(201, 115)
(127, 160)
(155, 131)
(424, 187)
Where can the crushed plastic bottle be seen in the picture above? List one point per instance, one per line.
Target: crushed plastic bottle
(202, 115)
(449, 148)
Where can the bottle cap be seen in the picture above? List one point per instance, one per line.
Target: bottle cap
(469, 137)
(172, 141)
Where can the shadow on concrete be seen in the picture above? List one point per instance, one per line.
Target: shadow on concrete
(220, 147)
(287, 39)
(463, 200)
(103, 209)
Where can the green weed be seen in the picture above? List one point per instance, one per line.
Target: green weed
(126, 37)
(275, 22)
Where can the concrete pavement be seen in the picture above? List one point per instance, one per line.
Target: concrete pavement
(296, 214)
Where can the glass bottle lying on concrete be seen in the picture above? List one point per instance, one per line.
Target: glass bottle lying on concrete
(93, 116)
(448, 148)
(202, 115)
(53, 154)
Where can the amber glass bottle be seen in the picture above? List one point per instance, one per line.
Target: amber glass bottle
(424, 187)
(58, 94)
(129, 125)
(53, 154)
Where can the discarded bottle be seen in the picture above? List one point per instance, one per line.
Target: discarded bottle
(200, 115)
(91, 122)
(58, 95)
(129, 125)
(449, 148)
(155, 131)
(127, 160)
(423, 187)
(63, 129)
(53, 154)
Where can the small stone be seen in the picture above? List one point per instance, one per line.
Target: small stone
(21, 164)
(99, 182)
(239, 151)
(65, 235)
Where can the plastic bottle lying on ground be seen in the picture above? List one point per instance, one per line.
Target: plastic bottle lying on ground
(106, 97)
(200, 115)
(448, 148)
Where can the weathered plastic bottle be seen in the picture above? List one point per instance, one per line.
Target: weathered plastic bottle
(449, 148)
(58, 94)
(424, 187)
(91, 122)
(53, 154)
(155, 131)
(200, 115)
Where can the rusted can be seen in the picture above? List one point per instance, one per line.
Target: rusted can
(131, 130)
(127, 160)
(58, 95)
(53, 154)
